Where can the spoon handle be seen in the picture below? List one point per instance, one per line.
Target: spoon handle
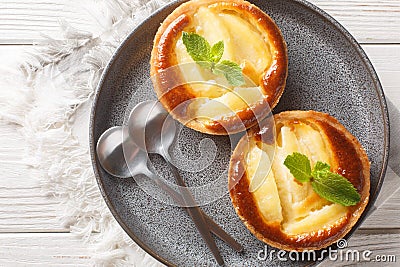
(196, 214)
(212, 225)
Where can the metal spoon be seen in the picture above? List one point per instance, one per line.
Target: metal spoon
(154, 131)
(110, 151)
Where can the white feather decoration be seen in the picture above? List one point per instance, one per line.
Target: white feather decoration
(55, 84)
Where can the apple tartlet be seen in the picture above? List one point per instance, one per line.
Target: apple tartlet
(206, 96)
(278, 209)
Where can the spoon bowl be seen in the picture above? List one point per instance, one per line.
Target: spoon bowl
(118, 155)
(152, 128)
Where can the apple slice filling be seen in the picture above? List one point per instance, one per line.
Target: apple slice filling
(279, 197)
(244, 44)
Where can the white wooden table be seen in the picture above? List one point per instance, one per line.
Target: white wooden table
(30, 234)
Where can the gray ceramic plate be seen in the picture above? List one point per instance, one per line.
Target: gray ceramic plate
(328, 71)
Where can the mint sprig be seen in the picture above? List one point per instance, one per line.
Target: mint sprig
(335, 188)
(209, 57)
(300, 167)
(326, 184)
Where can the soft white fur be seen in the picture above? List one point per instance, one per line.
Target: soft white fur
(48, 96)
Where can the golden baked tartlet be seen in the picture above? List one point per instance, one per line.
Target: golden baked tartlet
(281, 211)
(203, 100)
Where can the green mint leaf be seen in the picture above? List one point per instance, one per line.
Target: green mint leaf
(299, 166)
(209, 58)
(320, 167)
(335, 188)
(231, 71)
(217, 50)
(326, 184)
(196, 46)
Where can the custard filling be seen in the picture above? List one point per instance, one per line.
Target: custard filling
(278, 196)
(244, 45)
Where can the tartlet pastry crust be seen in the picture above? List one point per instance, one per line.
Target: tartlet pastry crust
(348, 158)
(271, 82)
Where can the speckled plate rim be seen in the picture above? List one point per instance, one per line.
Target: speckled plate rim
(318, 11)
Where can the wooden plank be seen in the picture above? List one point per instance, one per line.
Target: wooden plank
(387, 215)
(384, 247)
(385, 59)
(43, 250)
(29, 21)
(369, 21)
(23, 205)
(24, 21)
